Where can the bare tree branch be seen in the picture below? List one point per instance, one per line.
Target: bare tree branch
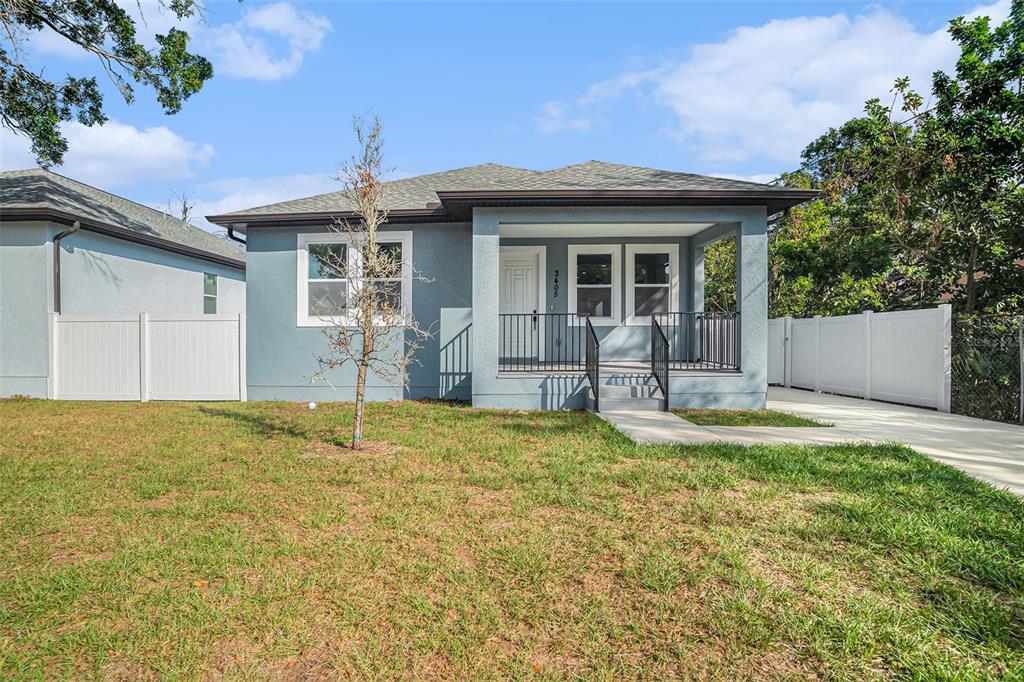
(369, 323)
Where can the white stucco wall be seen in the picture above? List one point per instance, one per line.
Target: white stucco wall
(25, 296)
(102, 275)
(99, 276)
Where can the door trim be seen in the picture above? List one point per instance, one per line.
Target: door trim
(541, 251)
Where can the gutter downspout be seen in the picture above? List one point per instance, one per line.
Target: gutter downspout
(56, 263)
(233, 237)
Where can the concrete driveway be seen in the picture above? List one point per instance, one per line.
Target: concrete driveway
(987, 450)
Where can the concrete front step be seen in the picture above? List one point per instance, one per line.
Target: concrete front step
(627, 392)
(625, 404)
(628, 380)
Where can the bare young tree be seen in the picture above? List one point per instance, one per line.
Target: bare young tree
(179, 205)
(369, 323)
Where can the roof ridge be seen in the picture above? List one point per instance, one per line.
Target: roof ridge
(634, 167)
(463, 168)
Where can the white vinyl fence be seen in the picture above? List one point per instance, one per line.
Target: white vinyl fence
(901, 357)
(147, 357)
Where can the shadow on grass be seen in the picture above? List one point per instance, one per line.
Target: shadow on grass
(262, 423)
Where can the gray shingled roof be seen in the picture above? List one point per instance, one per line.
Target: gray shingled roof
(418, 192)
(37, 188)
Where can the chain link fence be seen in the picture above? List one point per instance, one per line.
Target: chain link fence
(987, 367)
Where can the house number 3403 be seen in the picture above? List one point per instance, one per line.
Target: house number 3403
(556, 284)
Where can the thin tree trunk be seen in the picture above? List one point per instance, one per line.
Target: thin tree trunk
(357, 424)
(364, 363)
(972, 284)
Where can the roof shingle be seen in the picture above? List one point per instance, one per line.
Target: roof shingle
(420, 191)
(37, 188)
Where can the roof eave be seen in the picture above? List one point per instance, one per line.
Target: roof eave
(768, 192)
(240, 221)
(65, 218)
(776, 199)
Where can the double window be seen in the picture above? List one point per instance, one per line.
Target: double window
(332, 269)
(595, 282)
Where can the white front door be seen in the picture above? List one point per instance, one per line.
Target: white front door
(521, 292)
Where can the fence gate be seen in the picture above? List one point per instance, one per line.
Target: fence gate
(147, 357)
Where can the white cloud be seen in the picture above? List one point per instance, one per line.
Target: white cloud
(114, 154)
(268, 42)
(553, 119)
(235, 194)
(614, 87)
(240, 50)
(766, 91)
(48, 41)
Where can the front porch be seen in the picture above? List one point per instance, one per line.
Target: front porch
(679, 344)
(555, 343)
(588, 305)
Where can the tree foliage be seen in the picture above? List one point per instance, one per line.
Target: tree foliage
(35, 106)
(921, 201)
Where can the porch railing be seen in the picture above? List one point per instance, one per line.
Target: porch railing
(541, 342)
(659, 359)
(701, 341)
(557, 342)
(594, 364)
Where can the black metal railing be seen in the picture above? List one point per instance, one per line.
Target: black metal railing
(701, 341)
(659, 360)
(541, 342)
(594, 364)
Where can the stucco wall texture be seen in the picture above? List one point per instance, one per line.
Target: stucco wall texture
(100, 275)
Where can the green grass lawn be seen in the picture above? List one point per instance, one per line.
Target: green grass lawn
(241, 541)
(712, 417)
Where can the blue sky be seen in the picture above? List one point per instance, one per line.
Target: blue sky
(724, 88)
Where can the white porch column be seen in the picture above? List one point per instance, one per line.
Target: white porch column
(696, 298)
(485, 302)
(752, 295)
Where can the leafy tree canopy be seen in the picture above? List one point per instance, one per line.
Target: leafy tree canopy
(926, 202)
(33, 105)
(922, 200)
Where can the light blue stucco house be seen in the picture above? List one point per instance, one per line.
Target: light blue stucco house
(558, 289)
(69, 248)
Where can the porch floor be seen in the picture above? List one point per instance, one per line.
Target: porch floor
(616, 368)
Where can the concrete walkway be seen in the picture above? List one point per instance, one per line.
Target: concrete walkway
(991, 451)
(987, 450)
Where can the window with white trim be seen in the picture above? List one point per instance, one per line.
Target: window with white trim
(594, 282)
(652, 281)
(327, 280)
(209, 293)
(330, 269)
(388, 290)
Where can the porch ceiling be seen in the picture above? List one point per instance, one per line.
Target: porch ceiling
(601, 229)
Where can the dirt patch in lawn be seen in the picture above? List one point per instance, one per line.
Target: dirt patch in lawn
(345, 450)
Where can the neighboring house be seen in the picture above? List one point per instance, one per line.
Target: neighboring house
(527, 269)
(70, 248)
